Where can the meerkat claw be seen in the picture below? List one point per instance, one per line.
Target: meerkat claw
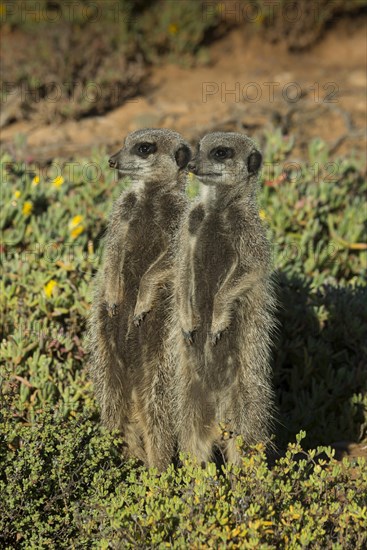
(188, 336)
(214, 338)
(112, 310)
(137, 319)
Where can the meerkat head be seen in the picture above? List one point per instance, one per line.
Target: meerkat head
(152, 155)
(226, 158)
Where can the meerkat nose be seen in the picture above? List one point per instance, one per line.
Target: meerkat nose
(191, 167)
(112, 162)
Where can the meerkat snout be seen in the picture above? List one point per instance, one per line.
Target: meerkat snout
(112, 161)
(192, 165)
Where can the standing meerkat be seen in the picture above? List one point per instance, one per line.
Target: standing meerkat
(128, 321)
(223, 314)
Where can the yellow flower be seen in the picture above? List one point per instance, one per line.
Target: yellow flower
(75, 226)
(259, 19)
(27, 208)
(74, 222)
(76, 232)
(57, 182)
(295, 515)
(191, 176)
(35, 181)
(173, 28)
(17, 194)
(49, 288)
(263, 215)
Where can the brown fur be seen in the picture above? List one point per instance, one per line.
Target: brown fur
(128, 322)
(222, 318)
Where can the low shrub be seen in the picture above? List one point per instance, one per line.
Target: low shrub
(65, 484)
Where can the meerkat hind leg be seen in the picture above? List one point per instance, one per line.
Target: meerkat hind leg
(198, 428)
(159, 450)
(135, 445)
(232, 452)
(198, 445)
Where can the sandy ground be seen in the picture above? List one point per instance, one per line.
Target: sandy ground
(249, 86)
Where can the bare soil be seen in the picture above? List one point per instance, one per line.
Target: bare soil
(250, 86)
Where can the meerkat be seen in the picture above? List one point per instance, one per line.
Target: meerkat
(128, 320)
(222, 318)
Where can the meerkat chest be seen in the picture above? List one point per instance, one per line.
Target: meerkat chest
(146, 236)
(215, 250)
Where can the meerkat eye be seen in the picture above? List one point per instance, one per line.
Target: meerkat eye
(222, 153)
(145, 149)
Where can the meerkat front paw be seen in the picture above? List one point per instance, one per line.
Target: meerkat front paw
(188, 336)
(113, 299)
(188, 331)
(140, 312)
(217, 330)
(112, 309)
(221, 321)
(139, 318)
(215, 335)
(189, 321)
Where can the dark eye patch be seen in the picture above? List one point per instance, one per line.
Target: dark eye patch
(221, 153)
(144, 149)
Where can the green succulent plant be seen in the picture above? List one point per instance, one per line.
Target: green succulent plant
(65, 483)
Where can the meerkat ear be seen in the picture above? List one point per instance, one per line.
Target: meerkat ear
(183, 156)
(254, 162)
